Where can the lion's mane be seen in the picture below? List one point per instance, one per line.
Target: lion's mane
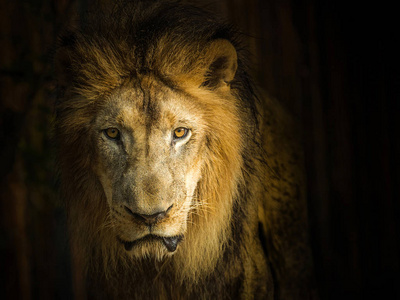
(221, 249)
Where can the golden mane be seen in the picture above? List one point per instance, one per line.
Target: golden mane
(223, 252)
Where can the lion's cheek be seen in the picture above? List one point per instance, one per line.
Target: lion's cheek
(193, 176)
(107, 185)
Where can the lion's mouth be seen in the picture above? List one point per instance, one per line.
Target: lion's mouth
(171, 243)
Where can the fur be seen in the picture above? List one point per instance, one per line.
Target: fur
(244, 223)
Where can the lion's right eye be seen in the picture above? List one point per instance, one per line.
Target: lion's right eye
(112, 133)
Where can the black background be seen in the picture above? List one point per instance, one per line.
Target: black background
(333, 64)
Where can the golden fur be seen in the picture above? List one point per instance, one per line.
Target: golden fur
(146, 69)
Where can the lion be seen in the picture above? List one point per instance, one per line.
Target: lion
(179, 180)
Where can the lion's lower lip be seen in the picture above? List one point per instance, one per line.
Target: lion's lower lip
(128, 245)
(171, 243)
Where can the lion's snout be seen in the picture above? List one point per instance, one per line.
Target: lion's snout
(151, 227)
(148, 219)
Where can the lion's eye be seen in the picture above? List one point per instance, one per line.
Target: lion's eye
(112, 133)
(180, 133)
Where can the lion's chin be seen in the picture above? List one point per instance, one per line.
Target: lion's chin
(152, 241)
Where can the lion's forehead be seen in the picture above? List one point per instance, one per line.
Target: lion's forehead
(152, 107)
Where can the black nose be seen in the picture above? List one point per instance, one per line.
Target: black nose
(148, 219)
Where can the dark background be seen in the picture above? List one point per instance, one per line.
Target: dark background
(332, 64)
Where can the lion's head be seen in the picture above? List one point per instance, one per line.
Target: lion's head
(151, 150)
(165, 179)
(151, 142)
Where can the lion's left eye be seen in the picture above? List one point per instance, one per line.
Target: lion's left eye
(180, 133)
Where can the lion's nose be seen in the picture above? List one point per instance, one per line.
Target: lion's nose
(148, 219)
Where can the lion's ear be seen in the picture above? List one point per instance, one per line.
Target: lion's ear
(220, 62)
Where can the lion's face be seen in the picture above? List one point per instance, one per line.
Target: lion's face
(154, 153)
(148, 140)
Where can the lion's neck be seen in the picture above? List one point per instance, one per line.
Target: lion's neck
(153, 279)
